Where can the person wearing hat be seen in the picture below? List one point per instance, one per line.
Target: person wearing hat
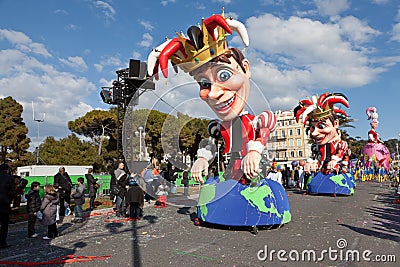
(134, 198)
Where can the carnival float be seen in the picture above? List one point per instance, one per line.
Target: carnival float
(323, 118)
(242, 197)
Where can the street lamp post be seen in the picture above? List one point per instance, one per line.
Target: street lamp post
(140, 133)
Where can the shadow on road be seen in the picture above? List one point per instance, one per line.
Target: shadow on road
(386, 219)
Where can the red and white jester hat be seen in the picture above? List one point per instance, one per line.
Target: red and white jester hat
(318, 108)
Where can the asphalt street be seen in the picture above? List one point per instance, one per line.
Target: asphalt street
(324, 231)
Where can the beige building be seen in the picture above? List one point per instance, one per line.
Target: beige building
(289, 142)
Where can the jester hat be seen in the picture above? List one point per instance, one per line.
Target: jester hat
(319, 108)
(202, 44)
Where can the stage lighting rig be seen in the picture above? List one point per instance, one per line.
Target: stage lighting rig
(130, 84)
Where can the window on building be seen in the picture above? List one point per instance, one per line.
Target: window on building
(299, 142)
(298, 131)
(283, 134)
(300, 153)
(291, 142)
(290, 132)
(292, 154)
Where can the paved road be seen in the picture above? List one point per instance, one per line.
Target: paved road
(367, 221)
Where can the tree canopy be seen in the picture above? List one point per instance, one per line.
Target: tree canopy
(13, 131)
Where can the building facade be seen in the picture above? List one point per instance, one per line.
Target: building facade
(289, 142)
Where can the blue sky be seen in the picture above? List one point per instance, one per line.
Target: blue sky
(58, 54)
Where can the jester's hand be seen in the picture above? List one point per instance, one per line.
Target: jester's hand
(332, 165)
(200, 166)
(250, 164)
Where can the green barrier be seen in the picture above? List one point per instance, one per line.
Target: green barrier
(103, 181)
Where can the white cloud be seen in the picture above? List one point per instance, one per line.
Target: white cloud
(331, 7)
(136, 55)
(147, 25)
(308, 55)
(223, 1)
(396, 32)
(77, 63)
(22, 42)
(357, 30)
(112, 61)
(166, 2)
(380, 2)
(107, 10)
(28, 78)
(60, 11)
(71, 27)
(147, 40)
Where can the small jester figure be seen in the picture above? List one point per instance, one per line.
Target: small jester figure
(377, 154)
(373, 136)
(324, 119)
(223, 76)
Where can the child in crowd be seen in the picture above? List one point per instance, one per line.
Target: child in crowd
(134, 199)
(162, 192)
(33, 206)
(79, 199)
(49, 210)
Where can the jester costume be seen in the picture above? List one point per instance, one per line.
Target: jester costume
(333, 154)
(205, 55)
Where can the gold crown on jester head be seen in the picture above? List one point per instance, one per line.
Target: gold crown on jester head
(201, 45)
(319, 108)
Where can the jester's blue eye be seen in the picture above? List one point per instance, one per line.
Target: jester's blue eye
(224, 75)
(204, 83)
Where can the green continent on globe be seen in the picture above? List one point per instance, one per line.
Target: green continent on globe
(287, 216)
(207, 194)
(337, 179)
(256, 195)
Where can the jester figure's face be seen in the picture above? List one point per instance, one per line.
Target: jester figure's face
(225, 87)
(325, 131)
(374, 124)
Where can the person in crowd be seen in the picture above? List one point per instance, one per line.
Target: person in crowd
(294, 177)
(275, 173)
(20, 185)
(162, 193)
(113, 181)
(79, 200)
(64, 184)
(148, 178)
(134, 198)
(92, 186)
(120, 189)
(9, 163)
(286, 177)
(301, 177)
(7, 190)
(33, 206)
(49, 210)
(173, 175)
(185, 182)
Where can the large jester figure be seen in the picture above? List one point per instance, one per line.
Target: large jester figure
(223, 76)
(324, 119)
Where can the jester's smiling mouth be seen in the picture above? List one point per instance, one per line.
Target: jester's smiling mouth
(226, 104)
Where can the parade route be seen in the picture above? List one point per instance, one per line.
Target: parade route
(167, 237)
